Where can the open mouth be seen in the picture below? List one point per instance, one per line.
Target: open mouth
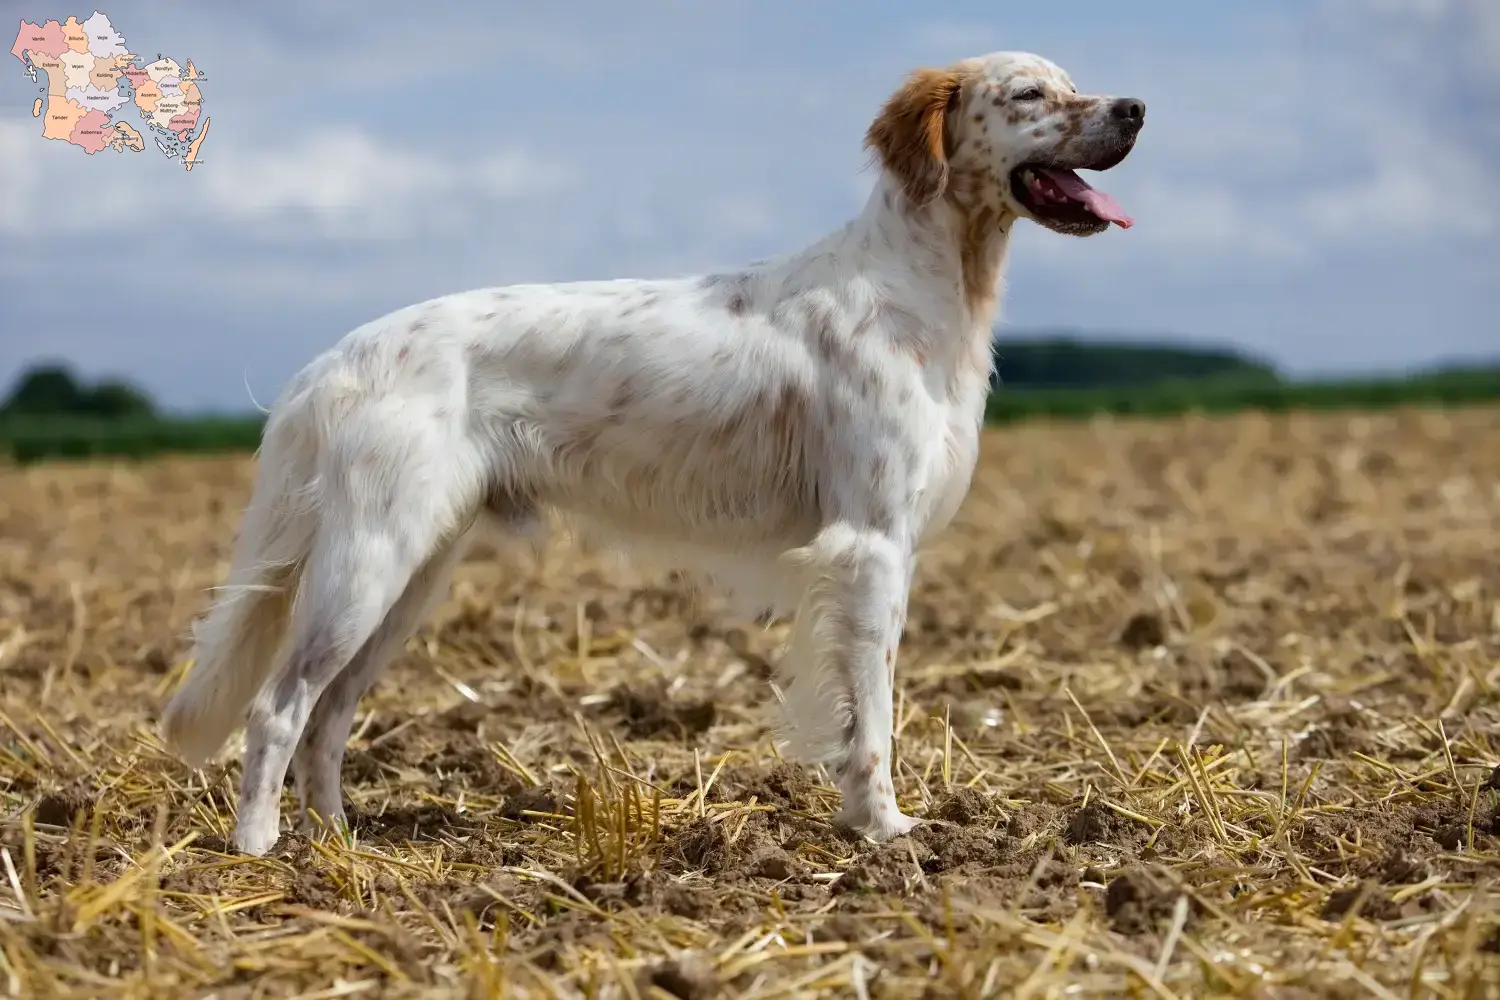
(1057, 195)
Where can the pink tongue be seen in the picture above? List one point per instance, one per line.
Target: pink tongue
(1100, 203)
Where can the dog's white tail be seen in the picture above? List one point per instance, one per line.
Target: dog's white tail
(237, 645)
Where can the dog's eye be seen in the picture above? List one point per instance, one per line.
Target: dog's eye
(1031, 94)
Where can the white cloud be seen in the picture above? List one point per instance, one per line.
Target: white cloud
(337, 182)
(1413, 195)
(345, 182)
(325, 174)
(519, 173)
(1407, 33)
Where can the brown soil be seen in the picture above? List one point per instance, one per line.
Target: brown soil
(1190, 708)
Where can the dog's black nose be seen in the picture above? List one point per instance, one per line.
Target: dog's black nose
(1130, 109)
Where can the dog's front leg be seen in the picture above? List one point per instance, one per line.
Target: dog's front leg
(842, 660)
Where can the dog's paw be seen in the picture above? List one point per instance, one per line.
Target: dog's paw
(878, 825)
(256, 840)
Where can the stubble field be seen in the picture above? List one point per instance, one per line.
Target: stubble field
(1190, 708)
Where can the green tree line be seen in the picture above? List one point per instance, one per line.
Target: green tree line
(49, 413)
(1068, 361)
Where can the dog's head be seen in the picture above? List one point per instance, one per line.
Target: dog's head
(1007, 131)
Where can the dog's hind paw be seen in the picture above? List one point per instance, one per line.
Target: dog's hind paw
(878, 825)
(256, 839)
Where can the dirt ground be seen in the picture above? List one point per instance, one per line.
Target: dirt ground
(1191, 708)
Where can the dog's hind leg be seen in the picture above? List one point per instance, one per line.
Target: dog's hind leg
(319, 758)
(396, 493)
(318, 761)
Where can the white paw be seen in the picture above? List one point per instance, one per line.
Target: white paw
(877, 824)
(255, 839)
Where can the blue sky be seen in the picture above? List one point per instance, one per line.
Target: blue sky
(1318, 182)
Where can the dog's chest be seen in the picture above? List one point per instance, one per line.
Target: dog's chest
(951, 452)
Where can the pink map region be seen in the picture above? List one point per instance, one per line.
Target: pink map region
(91, 132)
(47, 40)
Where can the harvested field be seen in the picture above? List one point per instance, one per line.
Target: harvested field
(1190, 708)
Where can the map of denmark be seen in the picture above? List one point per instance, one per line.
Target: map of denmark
(92, 78)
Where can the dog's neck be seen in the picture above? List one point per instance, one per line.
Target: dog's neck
(948, 259)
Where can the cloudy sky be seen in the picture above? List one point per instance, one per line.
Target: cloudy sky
(1318, 181)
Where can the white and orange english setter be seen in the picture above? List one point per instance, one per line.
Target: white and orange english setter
(790, 432)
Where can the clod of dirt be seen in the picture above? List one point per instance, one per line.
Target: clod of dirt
(1055, 888)
(705, 846)
(950, 846)
(1096, 823)
(688, 977)
(1383, 830)
(1138, 902)
(889, 868)
(420, 822)
(701, 845)
(466, 765)
(785, 786)
(312, 886)
(313, 889)
(1377, 905)
(964, 806)
(58, 808)
(1239, 679)
(538, 800)
(466, 717)
(1451, 837)
(215, 843)
(1344, 730)
(838, 927)
(362, 767)
(1143, 631)
(203, 882)
(1399, 867)
(1324, 744)
(775, 865)
(651, 713)
(480, 899)
(1341, 709)
(1032, 820)
(1449, 824)
(684, 901)
(295, 849)
(611, 895)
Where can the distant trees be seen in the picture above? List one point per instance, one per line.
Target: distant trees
(49, 390)
(1068, 362)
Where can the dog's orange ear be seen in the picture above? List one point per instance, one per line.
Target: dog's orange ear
(909, 135)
